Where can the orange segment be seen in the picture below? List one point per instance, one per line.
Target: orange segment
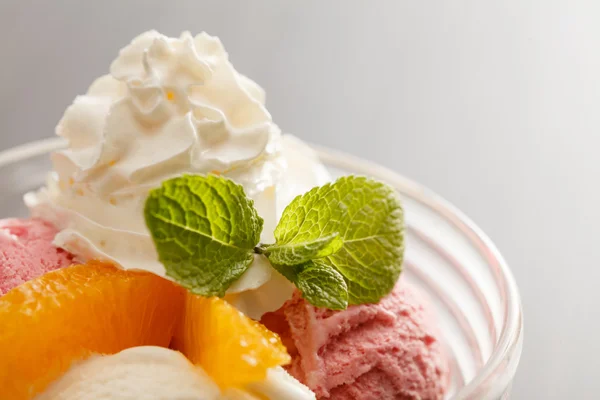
(50, 323)
(233, 349)
(64, 316)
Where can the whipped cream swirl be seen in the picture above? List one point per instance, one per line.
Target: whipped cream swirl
(170, 107)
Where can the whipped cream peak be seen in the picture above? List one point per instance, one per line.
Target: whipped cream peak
(170, 106)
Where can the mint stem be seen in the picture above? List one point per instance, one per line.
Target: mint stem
(261, 248)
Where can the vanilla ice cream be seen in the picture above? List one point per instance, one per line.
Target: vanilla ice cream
(156, 373)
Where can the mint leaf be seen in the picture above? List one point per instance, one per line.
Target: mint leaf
(300, 252)
(290, 272)
(367, 216)
(322, 286)
(204, 229)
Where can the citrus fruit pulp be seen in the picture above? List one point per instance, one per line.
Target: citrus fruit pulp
(49, 323)
(233, 349)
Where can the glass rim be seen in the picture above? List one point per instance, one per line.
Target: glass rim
(509, 342)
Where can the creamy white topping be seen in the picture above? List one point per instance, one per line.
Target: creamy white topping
(151, 373)
(169, 107)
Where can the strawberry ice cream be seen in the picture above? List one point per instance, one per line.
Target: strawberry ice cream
(389, 350)
(26, 251)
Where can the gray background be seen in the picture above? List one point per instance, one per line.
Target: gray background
(492, 104)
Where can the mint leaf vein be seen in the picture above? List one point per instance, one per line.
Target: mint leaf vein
(204, 229)
(367, 217)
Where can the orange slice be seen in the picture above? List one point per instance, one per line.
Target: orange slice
(233, 349)
(66, 315)
(63, 317)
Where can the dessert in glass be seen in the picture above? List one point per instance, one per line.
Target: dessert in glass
(173, 243)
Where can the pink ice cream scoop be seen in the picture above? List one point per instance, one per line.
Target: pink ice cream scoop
(389, 350)
(27, 252)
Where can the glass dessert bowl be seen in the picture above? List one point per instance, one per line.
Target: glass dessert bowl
(447, 256)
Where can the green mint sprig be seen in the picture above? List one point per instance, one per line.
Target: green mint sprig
(340, 244)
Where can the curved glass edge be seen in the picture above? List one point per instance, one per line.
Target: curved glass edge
(30, 149)
(507, 353)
